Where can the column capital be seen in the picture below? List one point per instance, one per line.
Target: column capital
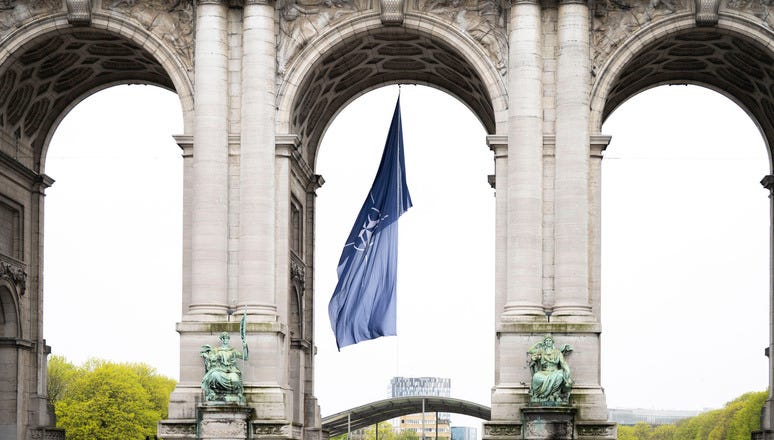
(768, 182)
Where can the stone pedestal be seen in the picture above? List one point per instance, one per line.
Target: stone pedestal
(548, 423)
(223, 422)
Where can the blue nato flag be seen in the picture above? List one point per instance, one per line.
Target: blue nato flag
(363, 305)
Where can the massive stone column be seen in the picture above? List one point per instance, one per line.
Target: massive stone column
(266, 381)
(206, 302)
(209, 282)
(525, 165)
(571, 195)
(256, 179)
(519, 212)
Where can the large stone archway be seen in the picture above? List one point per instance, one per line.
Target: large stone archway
(47, 66)
(260, 81)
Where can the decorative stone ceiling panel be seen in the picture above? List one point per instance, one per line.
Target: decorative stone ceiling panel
(741, 69)
(384, 57)
(50, 74)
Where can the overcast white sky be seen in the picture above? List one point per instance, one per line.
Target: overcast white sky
(685, 245)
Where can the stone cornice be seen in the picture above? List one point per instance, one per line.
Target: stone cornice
(768, 182)
(498, 143)
(186, 143)
(599, 143)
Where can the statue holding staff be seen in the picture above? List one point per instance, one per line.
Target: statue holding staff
(222, 381)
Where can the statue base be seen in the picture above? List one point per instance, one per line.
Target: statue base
(548, 423)
(559, 423)
(214, 421)
(223, 421)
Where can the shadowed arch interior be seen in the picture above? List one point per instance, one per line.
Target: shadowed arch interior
(738, 68)
(387, 56)
(52, 73)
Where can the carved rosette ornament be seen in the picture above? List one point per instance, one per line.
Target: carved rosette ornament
(16, 275)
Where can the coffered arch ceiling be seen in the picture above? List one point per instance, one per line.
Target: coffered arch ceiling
(363, 63)
(736, 66)
(50, 74)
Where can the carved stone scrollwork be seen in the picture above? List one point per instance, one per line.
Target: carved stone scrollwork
(707, 12)
(170, 20)
(270, 430)
(302, 20)
(13, 13)
(391, 12)
(47, 434)
(502, 430)
(483, 21)
(15, 275)
(759, 8)
(597, 431)
(78, 12)
(616, 20)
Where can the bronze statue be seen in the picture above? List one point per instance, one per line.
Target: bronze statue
(222, 381)
(551, 382)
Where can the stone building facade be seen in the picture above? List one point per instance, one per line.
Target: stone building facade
(260, 80)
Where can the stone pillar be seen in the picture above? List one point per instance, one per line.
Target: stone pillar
(598, 145)
(519, 217)
(525, 165)
(572, 164)
(257, 177)
(499, 146)
(185, 142)
(767, 415)
(209, 229)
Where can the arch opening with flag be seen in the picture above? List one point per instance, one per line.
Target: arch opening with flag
(363, 305)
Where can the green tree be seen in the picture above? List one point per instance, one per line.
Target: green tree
(110, 401)
(60, 374)
(735, 421)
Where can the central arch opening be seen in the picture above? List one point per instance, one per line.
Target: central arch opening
(446, 252)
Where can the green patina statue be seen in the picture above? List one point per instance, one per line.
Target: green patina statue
(222, 381)
(551, 382)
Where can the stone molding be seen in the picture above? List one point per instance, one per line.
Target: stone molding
(502, 430)
(549, 327)
(47, 434)
(596, 430)
(273, 430)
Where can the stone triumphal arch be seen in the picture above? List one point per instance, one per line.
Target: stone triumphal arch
(260, 80)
